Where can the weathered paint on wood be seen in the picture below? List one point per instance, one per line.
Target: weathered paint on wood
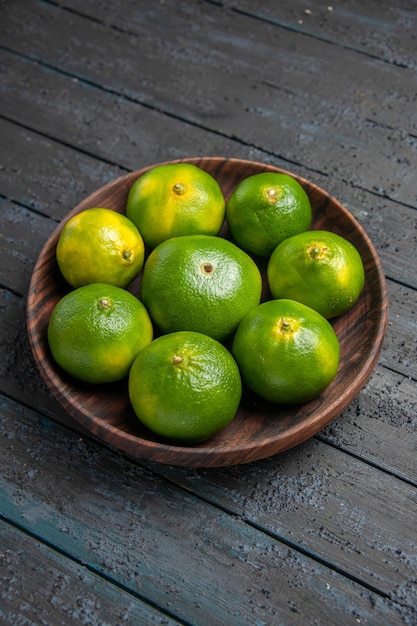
(37, 580)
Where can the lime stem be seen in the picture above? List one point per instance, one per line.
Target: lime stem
(104, 303)
(285, 325)
(318, 251)
(272, 194)
(176, 359)
(207, 267)
(179, 189)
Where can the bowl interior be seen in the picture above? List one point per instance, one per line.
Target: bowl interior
(259, 429)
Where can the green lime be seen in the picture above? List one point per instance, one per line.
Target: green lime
(185, 386)
(200, 283)
(100, 246)
(265, 209)
(96, 331)
(287, 352)
(174, 200)
(318, 268)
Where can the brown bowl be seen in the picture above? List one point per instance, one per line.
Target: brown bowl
(260, 429)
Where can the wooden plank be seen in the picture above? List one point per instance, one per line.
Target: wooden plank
(354, 21)
(22, 235)
(44, 174)
(392, 228)
(41, 586)
(281, 112)
(380, 29)
(380, 425)
(399, 351)
(330, 504)
(19, 375)
(238, 575)
(48, 102)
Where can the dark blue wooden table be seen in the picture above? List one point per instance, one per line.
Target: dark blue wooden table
(325, 533)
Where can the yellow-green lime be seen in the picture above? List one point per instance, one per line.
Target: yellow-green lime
(185, 386)
(174, 200)
(266, 208)
(96, 331)
(286, 352)
(100, 245)
(318, 268)
(200, 283)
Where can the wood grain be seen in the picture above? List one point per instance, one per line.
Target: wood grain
(259, 429)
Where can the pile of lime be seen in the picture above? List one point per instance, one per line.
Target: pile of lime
(200, 328)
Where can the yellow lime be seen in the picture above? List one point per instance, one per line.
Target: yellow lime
(185, 386)
(174, 200)
(200, 283)
(100, 245)
(287, 352)
(265, 209)
(318, 268)
(96, 331)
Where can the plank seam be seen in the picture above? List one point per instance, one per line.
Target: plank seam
(184, 120)
(93, 569)
(22, 205)
(159, 110)
(248, 14)
(384, 470)
(63, 143)
(292, 545)
(300, 31)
